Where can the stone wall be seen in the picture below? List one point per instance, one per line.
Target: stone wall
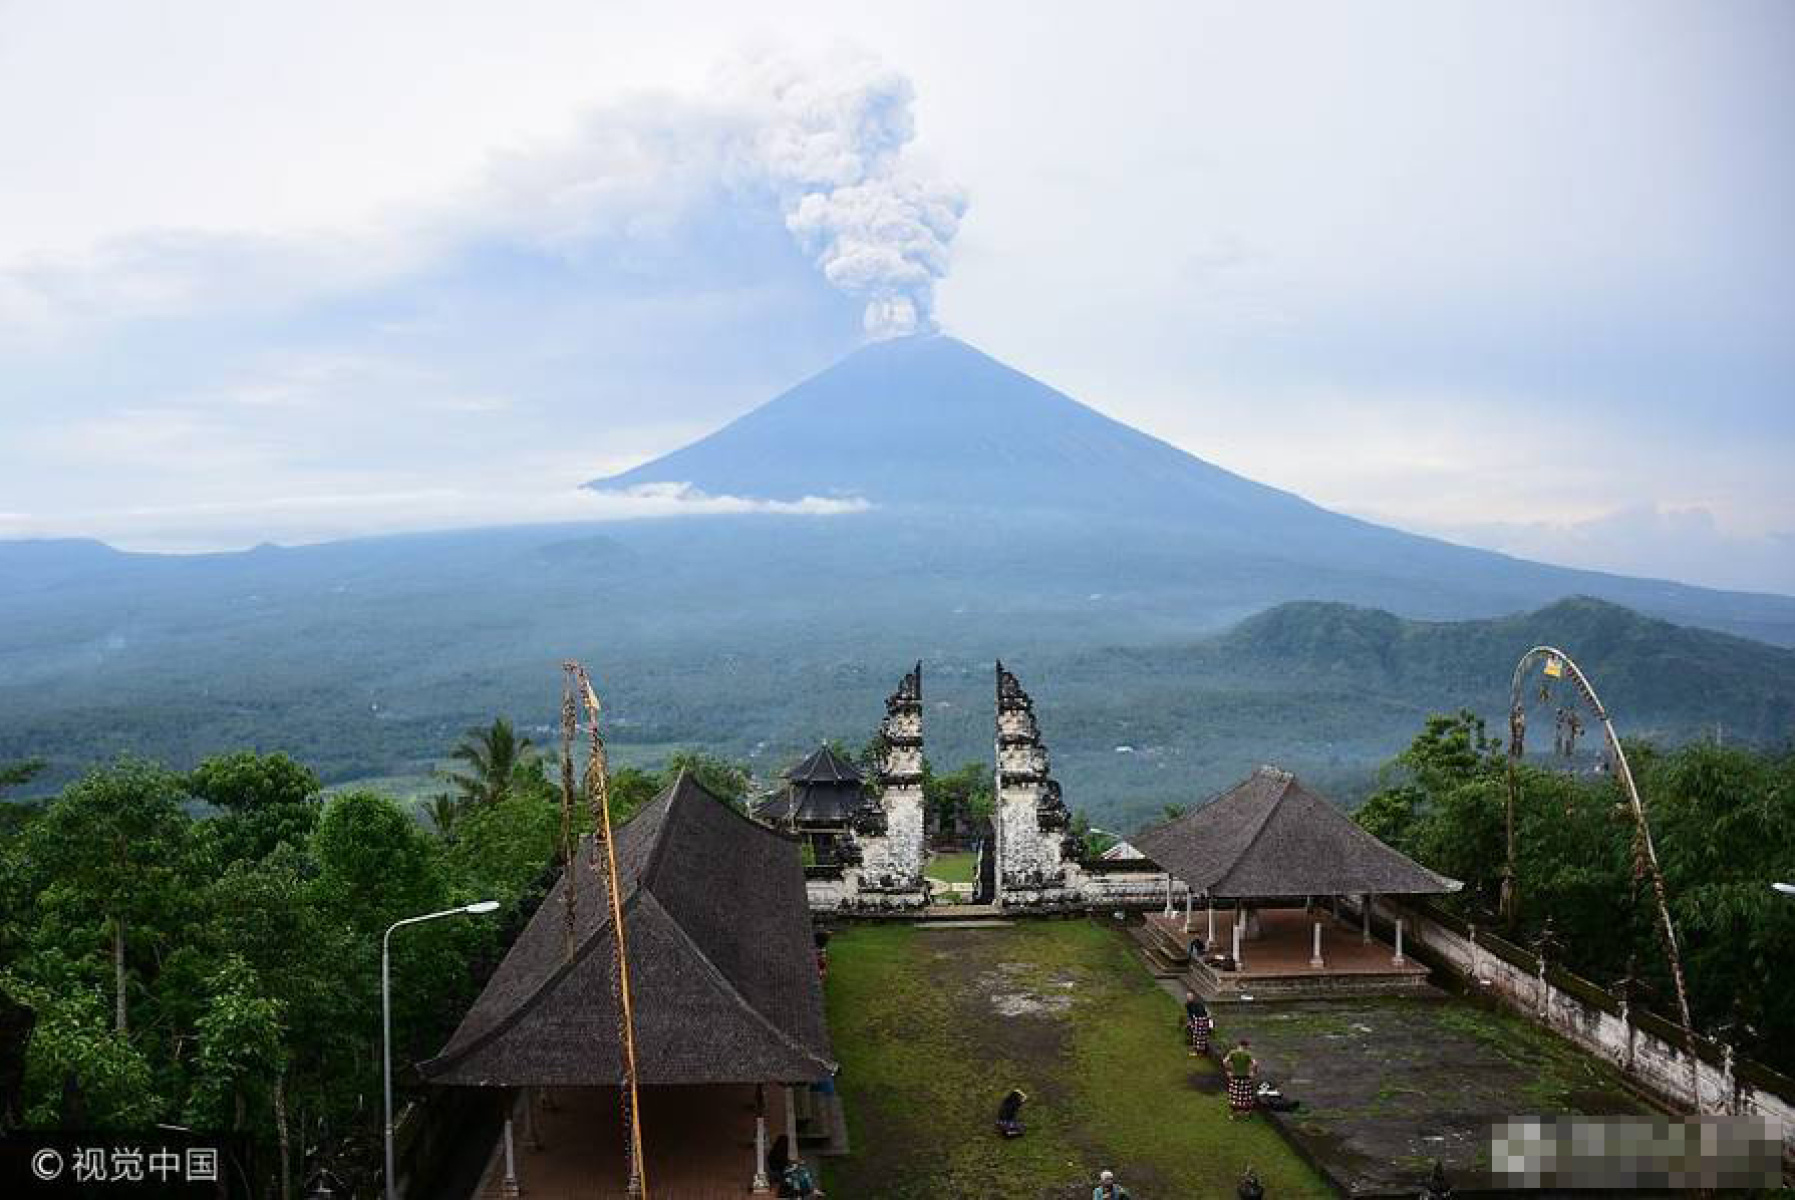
(1648, 1050)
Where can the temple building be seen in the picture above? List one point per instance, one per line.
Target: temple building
(821, 797)
(1264, 869)
(727, 1003)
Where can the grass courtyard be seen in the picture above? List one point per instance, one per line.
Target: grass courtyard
(956, 867)
(932, 1026)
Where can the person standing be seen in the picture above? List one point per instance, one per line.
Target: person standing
(1197, 1024)
(1242, 1070)
(1107, 1188)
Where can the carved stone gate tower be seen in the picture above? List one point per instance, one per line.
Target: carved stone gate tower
(1037, 857)
(889, 828)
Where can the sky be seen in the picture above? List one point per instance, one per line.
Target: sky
(1521, 275)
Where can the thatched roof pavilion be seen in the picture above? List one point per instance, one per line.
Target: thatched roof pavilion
(727, 1001)
(722, 964)
(1268, 837)
(1264, 843)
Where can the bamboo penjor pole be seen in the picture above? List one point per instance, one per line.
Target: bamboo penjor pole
(598, 787)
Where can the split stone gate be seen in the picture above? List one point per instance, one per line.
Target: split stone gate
(1031, 861)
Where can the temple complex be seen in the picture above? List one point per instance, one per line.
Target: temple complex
(1263, 868)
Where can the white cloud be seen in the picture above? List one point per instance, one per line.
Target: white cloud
(297, 519)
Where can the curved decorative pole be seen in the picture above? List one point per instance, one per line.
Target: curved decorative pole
(1644, 851)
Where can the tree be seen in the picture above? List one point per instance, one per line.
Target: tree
(71, 1041)
(495, 756)
(16, 774)
(264, 800)
(375, 864)
(113, 845)
(444, 812)
(722, 778)
(960, 796)
(631, 788)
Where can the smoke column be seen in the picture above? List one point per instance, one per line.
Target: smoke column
(832, 144)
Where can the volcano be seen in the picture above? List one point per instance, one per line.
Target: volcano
(932, 422)
(1000, 518)
(934, 433)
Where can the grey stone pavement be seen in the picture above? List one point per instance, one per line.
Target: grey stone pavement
(1387, 1085)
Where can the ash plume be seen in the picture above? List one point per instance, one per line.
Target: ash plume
(834, 144)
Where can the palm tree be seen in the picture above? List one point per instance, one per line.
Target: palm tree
(443, 809)
(494, 756)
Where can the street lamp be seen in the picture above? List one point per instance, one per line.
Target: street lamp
(1787, 889)
(386, 1014)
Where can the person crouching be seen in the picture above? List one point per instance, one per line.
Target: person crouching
(1009, 1113)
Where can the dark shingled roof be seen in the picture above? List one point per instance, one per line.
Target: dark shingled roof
(722, 965)
(823, 790)
(1270, 836)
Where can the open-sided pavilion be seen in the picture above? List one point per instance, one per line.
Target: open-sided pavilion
(728, 1013)
(1265, 866)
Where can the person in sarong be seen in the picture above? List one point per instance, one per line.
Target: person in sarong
(1197, 1024)
(1242, 1070)
(1009, 1113)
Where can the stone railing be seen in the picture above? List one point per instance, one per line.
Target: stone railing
(1648, 1050)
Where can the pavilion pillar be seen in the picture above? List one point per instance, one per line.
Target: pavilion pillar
(1168, 911)
(760, 1185)
(1396, 960)
(1365, 912)
(508, 1186)
(532, 1138)
(1315, 953)
(1209, 903)
(791, 1119)
(1187, 910)
(1237, 963)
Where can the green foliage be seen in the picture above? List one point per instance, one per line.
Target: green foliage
(725, 779)
(251, 937)
(264, 800)
(16, 774)
(113, 849)
(631, 788)
(375, 863)
(242, 1049)
(495, 757)
(964, 794)
(74, 1039)
(502, 849)
(1723, 824)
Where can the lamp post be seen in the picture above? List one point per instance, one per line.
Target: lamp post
(386, 1015)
